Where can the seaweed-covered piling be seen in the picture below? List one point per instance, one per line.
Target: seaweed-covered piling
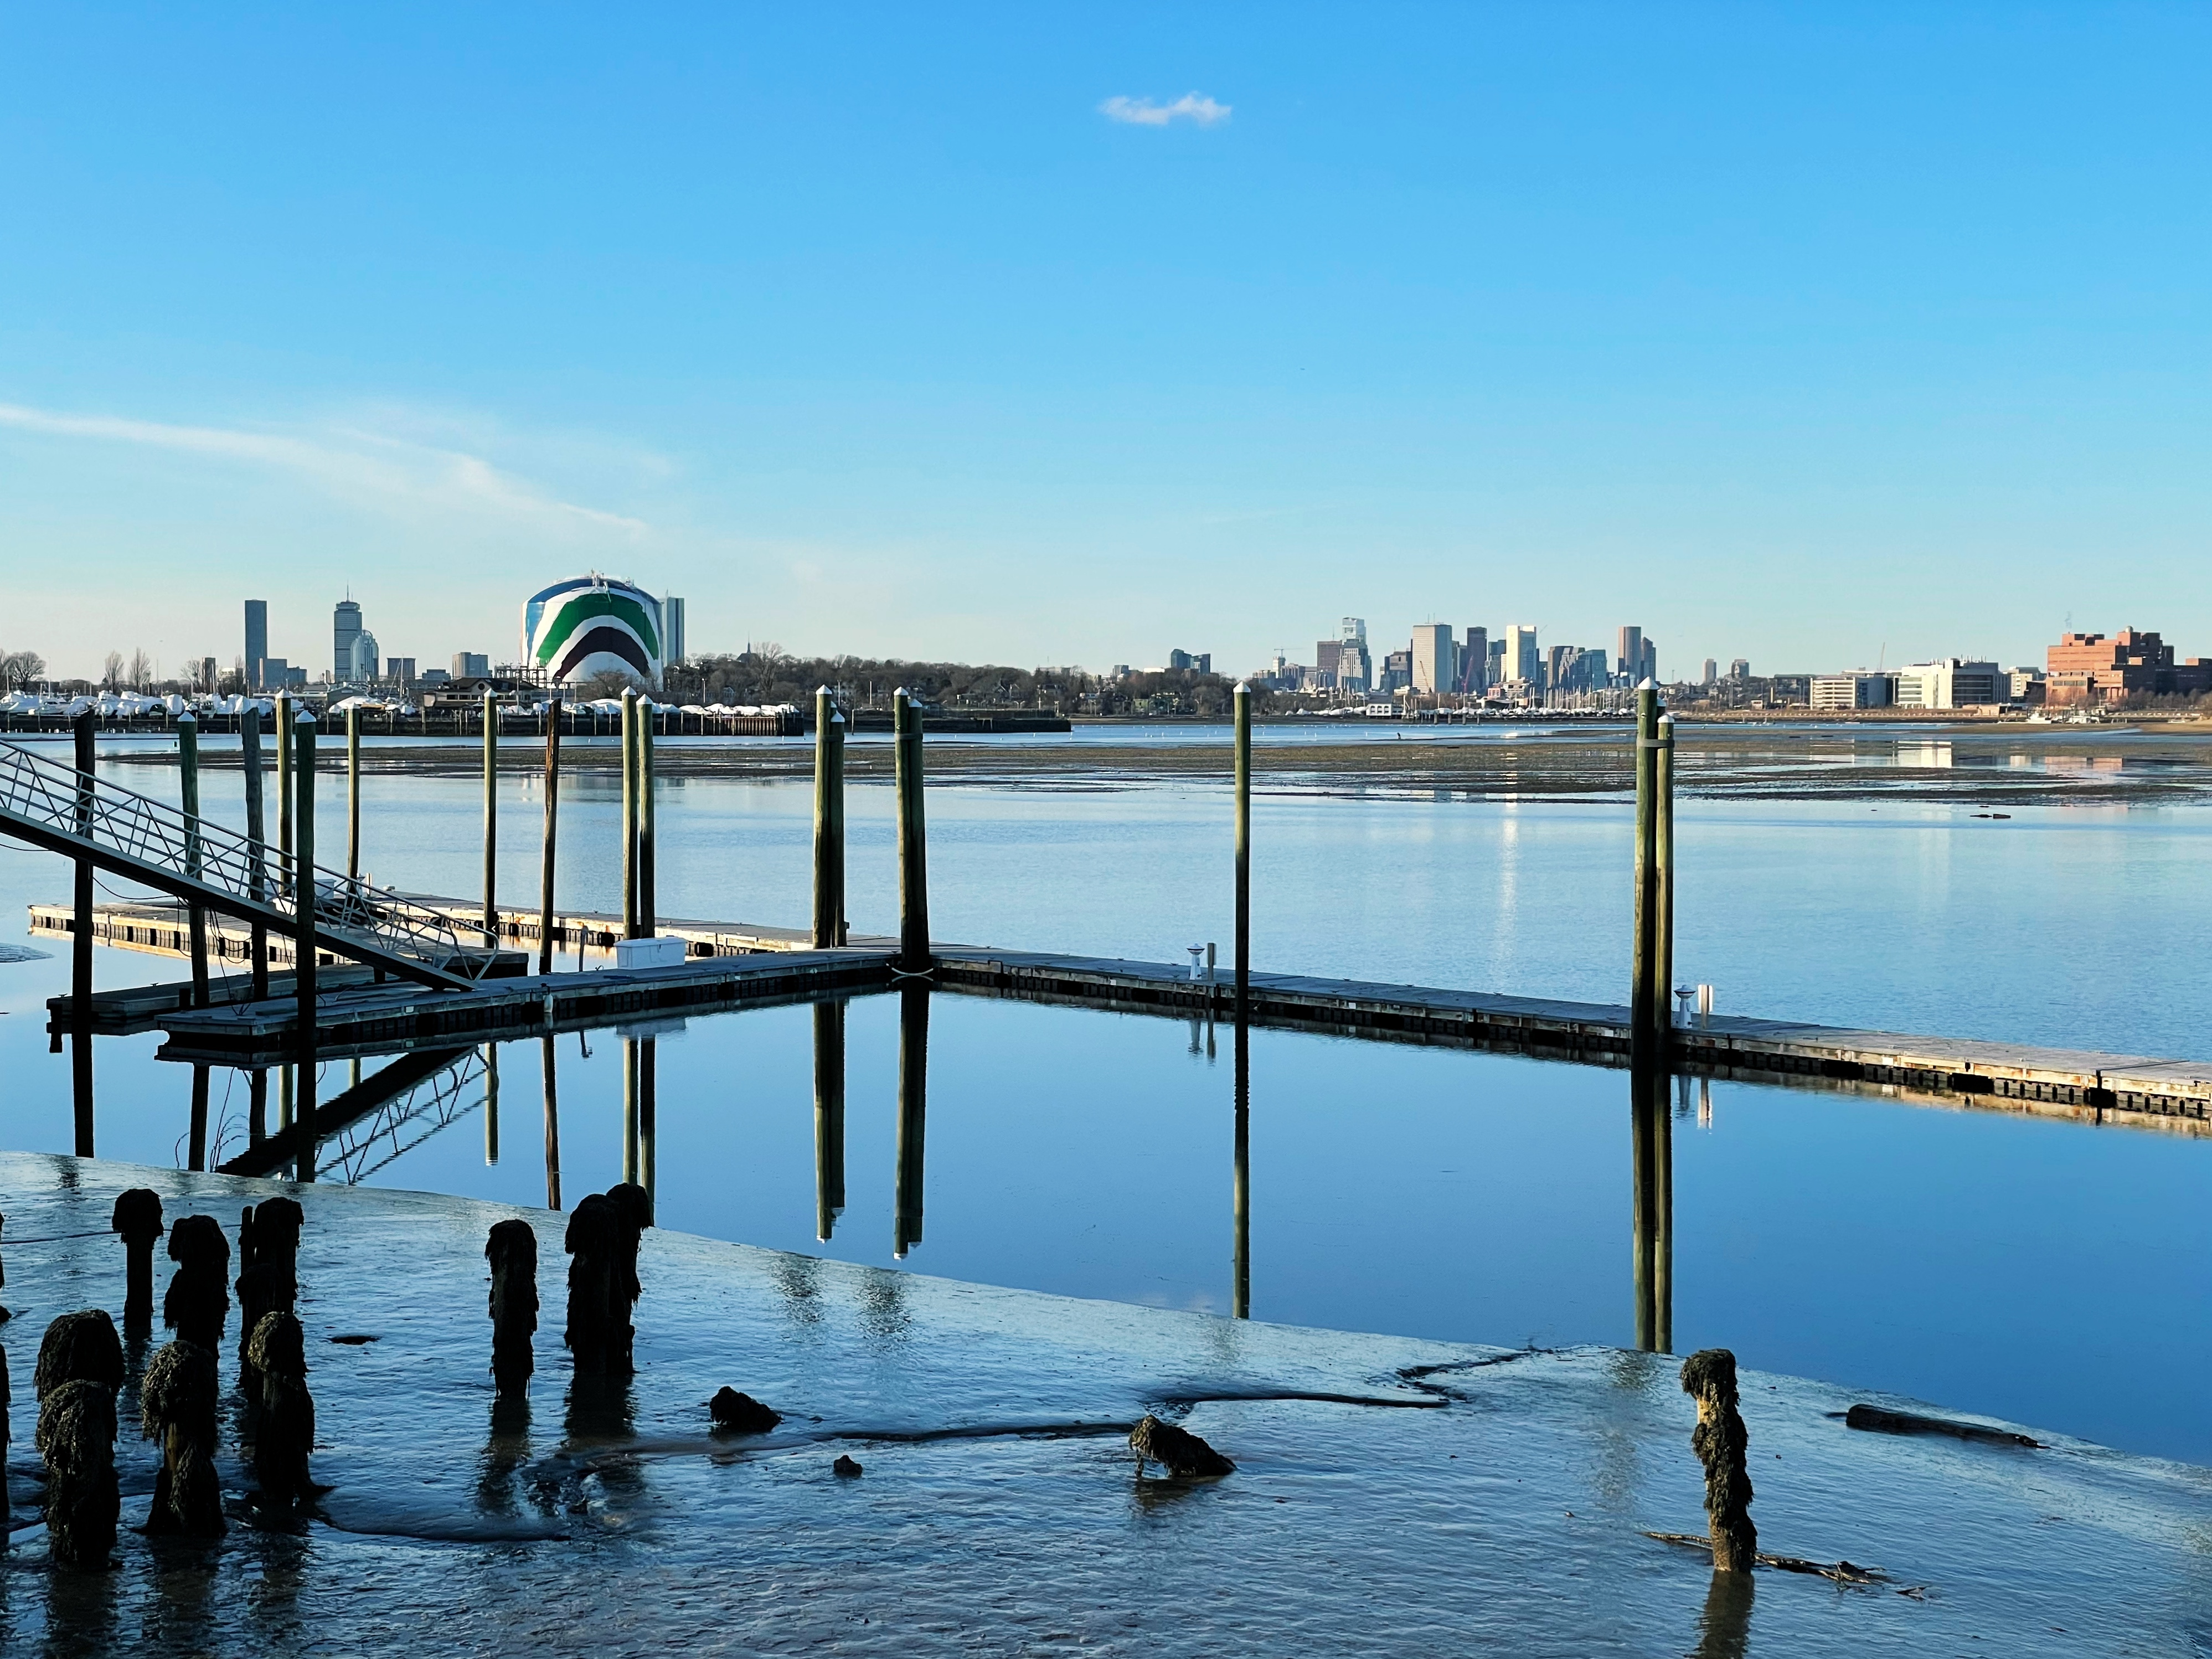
(76, 1436)
(1179, 1451)
(197, 1305)
(1719, 1441)
(137, 1218)
(79, 1347)
(6, 1435)
(595, 1227)
(80, 1367)
(269, 1256)
(177, 1406)
(634, 1205)
(285, 1432)
(511, 1249)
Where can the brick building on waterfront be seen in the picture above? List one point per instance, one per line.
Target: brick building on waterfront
(2084, 669)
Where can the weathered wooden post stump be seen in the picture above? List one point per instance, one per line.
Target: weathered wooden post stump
(1719, 1440)
(137, 1218)
(197, 1305)
(79, 1347)
(284, 1432)
(511, 1249)
(592, 1242)
(177, 1407)
(634, 1207)
(269, 1255)
(76, 1437)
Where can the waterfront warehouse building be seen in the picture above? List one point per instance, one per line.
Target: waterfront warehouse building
(593, 625)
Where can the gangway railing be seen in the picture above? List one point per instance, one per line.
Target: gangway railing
(148, 842)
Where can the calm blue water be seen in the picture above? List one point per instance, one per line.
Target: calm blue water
(2048, 1273)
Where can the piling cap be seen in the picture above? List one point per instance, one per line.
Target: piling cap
(188, 715)
(1647, 684)
(1666, 717)
(1243, 690)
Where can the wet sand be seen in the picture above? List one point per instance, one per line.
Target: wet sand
(1391, 1496)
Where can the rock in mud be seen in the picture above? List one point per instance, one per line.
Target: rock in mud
(740, 1413)
(1179, 1451)
(846, 1469)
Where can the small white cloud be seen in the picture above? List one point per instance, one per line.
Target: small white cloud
(1193, 107)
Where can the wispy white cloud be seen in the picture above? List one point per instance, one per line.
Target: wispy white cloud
(1193, 107)
(360, 465)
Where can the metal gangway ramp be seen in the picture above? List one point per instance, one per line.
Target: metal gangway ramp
(81, 816)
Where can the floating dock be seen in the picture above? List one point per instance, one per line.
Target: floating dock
(736, 965)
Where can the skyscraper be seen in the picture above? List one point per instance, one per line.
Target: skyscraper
(1522, 659)
(672, 627)
(1475, 661)
(257, 641)
(346, 627)
(1628, 655)
(1436, 658)
(1712, 671)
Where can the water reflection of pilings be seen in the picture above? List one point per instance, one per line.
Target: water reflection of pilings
(629, 1109)
(256, 1113)
(1725, 1631)
(196, 1154)
(828, 1116)
(1652, 1206)
(1240, 1295)
(913, 1116)
(552, 1122)
(491, 1103)
(648, 1111)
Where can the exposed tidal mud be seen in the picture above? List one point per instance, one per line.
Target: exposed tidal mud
(1388, 1495)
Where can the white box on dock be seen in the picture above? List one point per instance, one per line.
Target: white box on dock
(664, 951)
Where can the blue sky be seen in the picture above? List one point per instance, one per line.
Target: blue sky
(1802, 333)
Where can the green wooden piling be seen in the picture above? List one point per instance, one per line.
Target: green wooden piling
(490, 819)
(829, 823)
(286, 712)
(1663, 861)
(629, 814)
(545, 925)
(188, 767)
(353, 794)
(257, 833)
(304, 901)
(1244, 849)
(913, 870)
(81, 947)
(1644, 1037)
(648, 918)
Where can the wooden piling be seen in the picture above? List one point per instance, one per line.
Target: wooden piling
(490, 819)
(353, 794)
(828, 1116)
(552, 1123)
(1243, 764)
(285, 714)
(629, 1109)
(828, 824)
(304, 902)
(1646, 1040)
(552, 837)
(257, 835)
(630, 815)
(81, 947)
(913, 1116)
(913, 870)
(648, 1114)
(491, 1105)
(188, 770)
(195, 1149)
(1239, 1290)
(1662, 863)
(648, 922)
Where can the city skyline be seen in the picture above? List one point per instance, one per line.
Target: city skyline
(1455, 305)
